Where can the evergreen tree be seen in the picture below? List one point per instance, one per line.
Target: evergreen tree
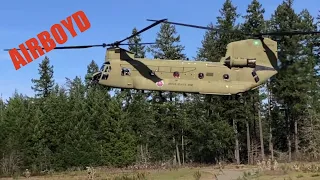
(288, 84)
(218, 107)
(167, 44)
(215, 41)
(309, 81)
(139, 113)
(254, 20)
(91, 68)
(135, 47)
(254, 23)
(44, 85)
(17, 125)
(168, 47)
(317, 43)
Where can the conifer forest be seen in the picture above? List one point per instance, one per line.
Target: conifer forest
(78, 125)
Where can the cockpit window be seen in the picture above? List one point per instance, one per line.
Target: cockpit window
(102, 67)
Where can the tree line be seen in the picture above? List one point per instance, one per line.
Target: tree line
(72, 125)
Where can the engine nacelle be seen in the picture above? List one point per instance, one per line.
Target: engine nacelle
(240, 62)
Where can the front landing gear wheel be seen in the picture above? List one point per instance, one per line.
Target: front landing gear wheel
(158, 99)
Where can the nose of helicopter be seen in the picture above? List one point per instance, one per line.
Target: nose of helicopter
(94, 77)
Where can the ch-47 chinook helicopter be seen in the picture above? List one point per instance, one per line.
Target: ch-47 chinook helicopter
(246, 65)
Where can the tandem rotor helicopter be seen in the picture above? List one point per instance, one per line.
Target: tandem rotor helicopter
(246, 65)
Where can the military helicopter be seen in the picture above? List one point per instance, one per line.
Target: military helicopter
(246, 65)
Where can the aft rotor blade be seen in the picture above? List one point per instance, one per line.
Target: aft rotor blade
(191, 25)
(280, 33)
(141, 31)
(188, 25)
(290, 33)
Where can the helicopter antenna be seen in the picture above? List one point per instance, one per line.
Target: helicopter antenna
(115, 44)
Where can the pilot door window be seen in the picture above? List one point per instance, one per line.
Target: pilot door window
(125, 72)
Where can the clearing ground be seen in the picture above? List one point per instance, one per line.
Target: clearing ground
(188, 173)
(284, 172)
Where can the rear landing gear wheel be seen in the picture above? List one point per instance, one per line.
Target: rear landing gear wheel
(241, 98)
(158, 99)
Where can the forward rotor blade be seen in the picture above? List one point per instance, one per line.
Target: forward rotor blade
(73, 47)
(141, 31)
(88, 46)
(135, 44)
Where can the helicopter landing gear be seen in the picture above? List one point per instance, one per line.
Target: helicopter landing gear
(185, 95)
(159, 98)
(240, 98)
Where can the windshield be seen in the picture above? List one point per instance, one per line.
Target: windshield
(105, 64)
(102, 67)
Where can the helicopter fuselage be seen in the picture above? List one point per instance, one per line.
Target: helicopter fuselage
(246, 65)
(181, 76)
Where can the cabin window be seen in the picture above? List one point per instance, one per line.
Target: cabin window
(256, 79)
(226, 76)
(125, 72)
(176, 74)
(200, 75)
(254, 73)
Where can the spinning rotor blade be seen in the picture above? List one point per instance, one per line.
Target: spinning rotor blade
(135, 44)
(290, 33)
(188, 25)
(276, 33)
(117, 43)
(72, 47)
(87, 46)
(141, 31)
